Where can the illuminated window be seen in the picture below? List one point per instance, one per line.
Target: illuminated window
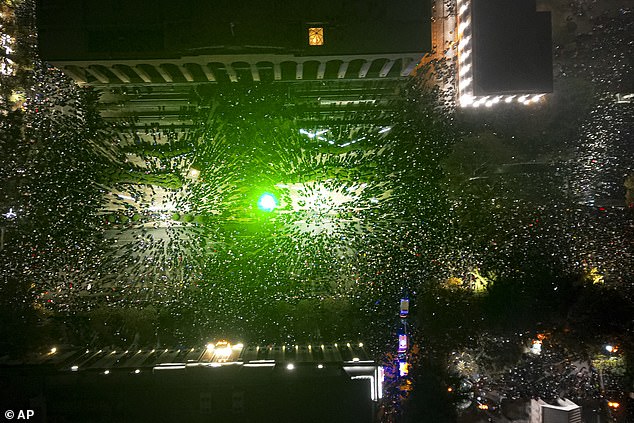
(316, 36)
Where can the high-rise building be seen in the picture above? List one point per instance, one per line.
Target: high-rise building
(504, 52)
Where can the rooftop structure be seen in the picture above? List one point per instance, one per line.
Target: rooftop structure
(331, 382)
(505, 52)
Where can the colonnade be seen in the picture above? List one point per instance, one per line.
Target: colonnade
(252, 68)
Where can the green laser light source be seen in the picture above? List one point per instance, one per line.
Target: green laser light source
(267, 202)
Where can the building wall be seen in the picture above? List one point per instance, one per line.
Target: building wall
(116, 29)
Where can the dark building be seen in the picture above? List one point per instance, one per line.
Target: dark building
(505, 50)
(253, 383)
(147, 41)
(154, 60)
(512, 48)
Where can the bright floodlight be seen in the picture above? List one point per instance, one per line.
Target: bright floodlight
(267, 202)
(194, 173)
(222, 350)
(290, 366)
(537, 347)
(609, 348)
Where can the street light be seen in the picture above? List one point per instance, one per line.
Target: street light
(536, 348)
(194, 173)
(611, 348)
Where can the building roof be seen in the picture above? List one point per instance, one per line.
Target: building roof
(116, 29)
(512, 48)
(217, 382)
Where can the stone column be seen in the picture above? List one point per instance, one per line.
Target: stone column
(77, 77)
(411, 64)
(166, 76)
(364, 69)
(142, 74)
(321, 70)
(186, 73)
(255, 73)
(231, 72)
(97, 74)
(343, 68)
(277, 71)
(208, 73)
(119, 74)
(386, 68)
